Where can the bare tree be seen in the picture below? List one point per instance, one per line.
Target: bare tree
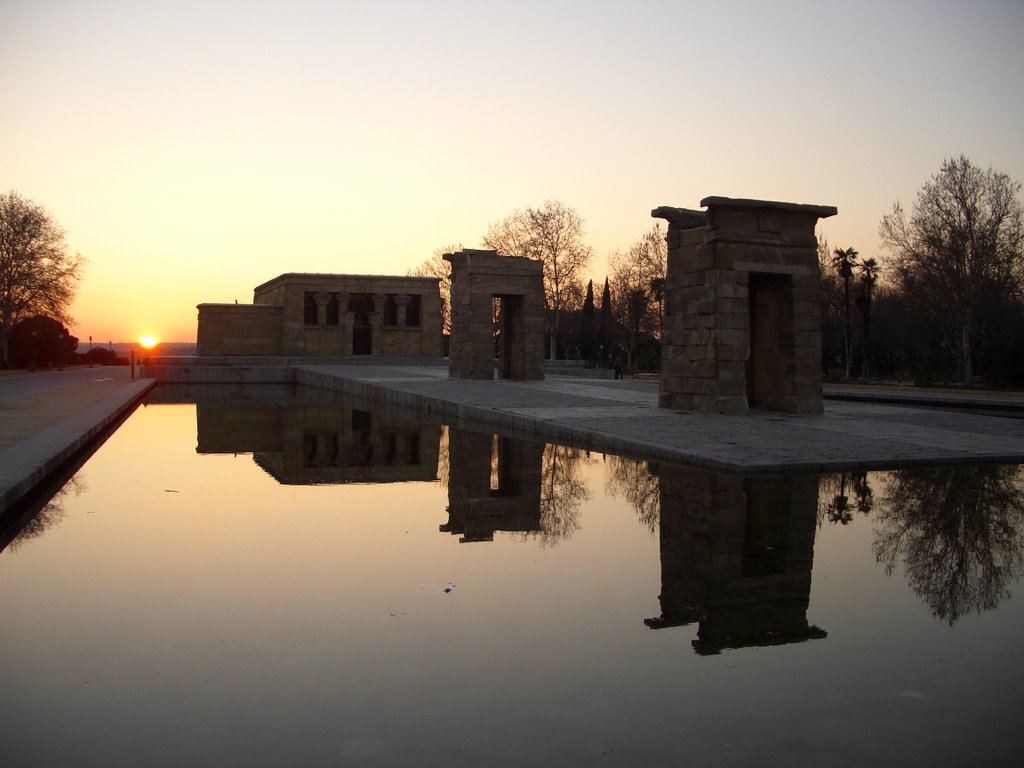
(639, 484)
(553, 234)
(959, 532)
(562, 492)
(37, 274)
(638, 283)
(437, 267)
(961, 247)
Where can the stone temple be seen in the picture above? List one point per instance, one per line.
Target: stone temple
(315, 315)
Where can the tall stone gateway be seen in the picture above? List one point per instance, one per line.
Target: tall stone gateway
(742, 311)
(482, 282)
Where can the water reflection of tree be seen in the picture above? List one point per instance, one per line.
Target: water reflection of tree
(959, 532)
(51, 515)
(562, 491)
(842, 494)
(637, 482)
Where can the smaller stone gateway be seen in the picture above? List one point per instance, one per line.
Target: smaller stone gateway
(742, 307)
(479, 280)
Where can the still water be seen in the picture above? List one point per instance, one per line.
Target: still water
(290, 584)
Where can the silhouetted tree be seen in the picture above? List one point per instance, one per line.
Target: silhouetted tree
(959, 532)
(606, 324)
(960, 251)
(588, 328)
(37, 274)
(100, 356)
(41, 342)
(831, 296)
(437, 267)
(553, 234)
(844, 259)
(868, 280)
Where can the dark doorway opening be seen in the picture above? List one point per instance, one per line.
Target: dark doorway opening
(511, 364)
(362, 335)
(768, 352)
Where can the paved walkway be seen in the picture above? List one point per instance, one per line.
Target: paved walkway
(47, 416)
(623, 417)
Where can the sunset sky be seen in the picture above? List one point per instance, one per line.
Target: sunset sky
(193, 150)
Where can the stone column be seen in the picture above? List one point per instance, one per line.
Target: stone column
(401, 305)
(321, 298)
(377, 323)
(344, 323)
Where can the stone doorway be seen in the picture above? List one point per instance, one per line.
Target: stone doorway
(362, 307)
(481, 280)
(362, 335)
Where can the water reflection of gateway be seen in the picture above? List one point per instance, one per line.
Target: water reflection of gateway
(736, 556)
(307, 444)
(493, 485)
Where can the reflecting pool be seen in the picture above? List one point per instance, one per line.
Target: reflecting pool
(265, 581)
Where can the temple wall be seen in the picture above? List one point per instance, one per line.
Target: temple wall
(238, 329)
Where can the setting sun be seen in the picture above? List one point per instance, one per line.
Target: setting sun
(148, 342)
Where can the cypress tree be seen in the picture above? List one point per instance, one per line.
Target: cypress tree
(588, 330)
(605, 324)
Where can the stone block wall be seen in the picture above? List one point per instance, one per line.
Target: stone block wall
(742, 323)
(239, 329)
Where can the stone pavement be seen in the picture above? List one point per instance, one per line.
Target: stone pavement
(48, 416)
(622, 417)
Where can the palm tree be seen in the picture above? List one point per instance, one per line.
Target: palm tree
(844, 259)
(868, 279)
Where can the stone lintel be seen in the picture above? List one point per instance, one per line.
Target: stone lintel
(821, 211)
(491, 262)
(685, 218)
(777, 269)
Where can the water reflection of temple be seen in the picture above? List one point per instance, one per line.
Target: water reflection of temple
(493, 485)
(305, 444)
(736, 555)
